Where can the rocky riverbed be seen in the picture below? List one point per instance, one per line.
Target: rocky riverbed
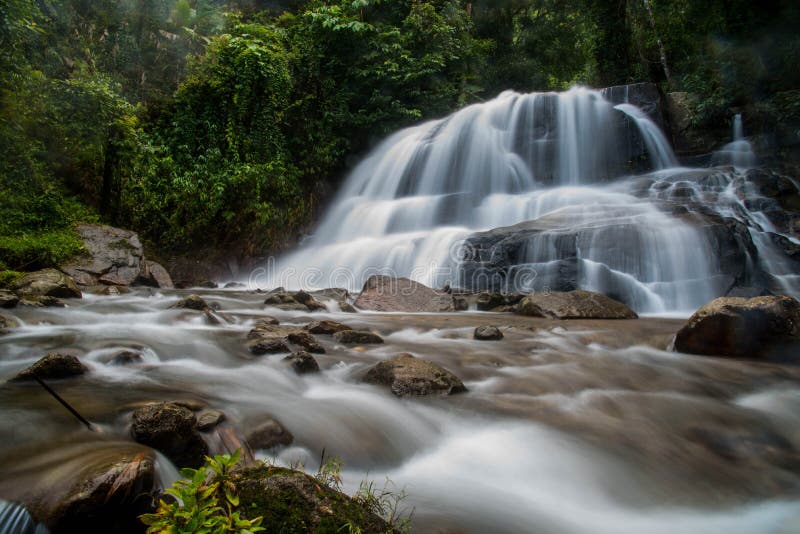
(565, 426)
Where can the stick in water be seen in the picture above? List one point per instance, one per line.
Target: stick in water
(66, 405)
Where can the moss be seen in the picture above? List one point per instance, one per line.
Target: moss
(39, 250)
(7, 278)
(291, 501)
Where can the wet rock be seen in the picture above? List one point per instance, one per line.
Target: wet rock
(307, 341)
(495, 301)
(192, 302)
(357, 337)
(208, 419)
(113, 256)
(269, 434)
(266, 320)
(334, 293)
(206, 284)
(487, 333)
(748, 292)
(460, 304)
(284, 301)
(111, 291)
(42, 302)
(576, 304)
(746, 445)
(53, 366)
(733, 326)
(8, 299)
(386, 293)
(234, 285)
(346, 307)
(215, 318)
(154, 274)
(170, 429)
(47, 282)
(326, 327)
(302, 362)
(407, 375)
(126, 357)
(107, 495)
(268, 346)
(292, 501)
(7, 322)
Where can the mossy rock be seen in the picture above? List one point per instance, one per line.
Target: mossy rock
(292, 501)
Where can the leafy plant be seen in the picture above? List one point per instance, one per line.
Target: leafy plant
(205, 501)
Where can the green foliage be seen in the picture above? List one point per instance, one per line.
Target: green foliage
(205, 501)
(8, 278)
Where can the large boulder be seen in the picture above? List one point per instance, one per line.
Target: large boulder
(47, 283)
(52, 366)
(292, 501)
(734, 326)
(8, 299)
(111, 493)
(113, 256)
(154, 274)
(576, 304)
(302, 362)
(171, 429)
(387, 293)
(406, 375)
(192, 302)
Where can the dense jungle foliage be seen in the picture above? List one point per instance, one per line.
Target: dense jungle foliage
(206, 123)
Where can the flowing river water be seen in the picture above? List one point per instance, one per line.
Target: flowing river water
(568, 426)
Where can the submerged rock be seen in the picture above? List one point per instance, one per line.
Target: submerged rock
(47, 282)
(192, 302)
(113, 256)
(172, 430)
(307, 341)
(292, 501)
(351, 337)
(578, 304)
(268, 346)
(208, 419)
(386, 293)
(407, 375)
(326, 327)
(53, 366)
(126, 357)
(735, 326)
(7, 322)
(269, 434)
(302, 362)
(487, 333)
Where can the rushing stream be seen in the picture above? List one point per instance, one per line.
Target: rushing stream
(578, 426)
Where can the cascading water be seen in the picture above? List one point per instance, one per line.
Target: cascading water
(739, 152)
(565, 159)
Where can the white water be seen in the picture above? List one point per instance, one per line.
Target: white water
(739, 152)
(559, 158)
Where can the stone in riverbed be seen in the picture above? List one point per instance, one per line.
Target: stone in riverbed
(126, 357)
(107, 496)
(268, 346)
(360, 337)
(326, 327)
(494, 301)
(577, 304)
(407, 375)
(733, 326)
(192, 302)
(43, 301)
(47, 282)
(292, 501)
(487, 333)
(53, 366)
(269, 434)
(172, 430)
(8, 299)
(154, 274)
(7, 322)
(208, 419)
(386, 293)
(302, 362)
(307, 341)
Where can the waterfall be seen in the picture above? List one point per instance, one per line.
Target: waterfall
(564, 160)
(739, 152)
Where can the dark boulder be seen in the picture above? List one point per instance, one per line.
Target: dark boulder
(360, 337)
(8, 299)
(154, 274)
(307, 341)
(576, 304)
(7, 322)
(53, 366)
(192, 302)
(407, 375)
(302, 362)
(386, 293)
(732, 326)
(268, 435)
(488, 333)
(47, 283)
(326, 327)
(208, 419)
(44, 301)
(172, 430)
(268, 346)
